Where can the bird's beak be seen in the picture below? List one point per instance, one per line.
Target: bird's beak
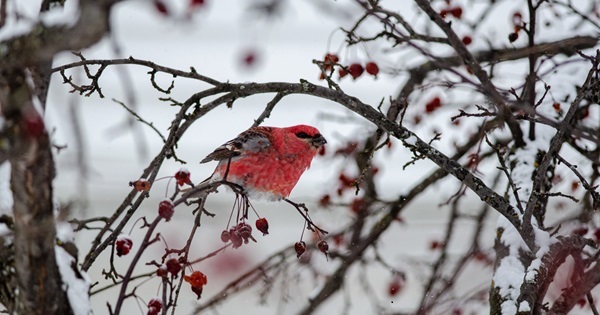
(318, 141)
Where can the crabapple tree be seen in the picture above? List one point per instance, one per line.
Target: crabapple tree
(490, 112)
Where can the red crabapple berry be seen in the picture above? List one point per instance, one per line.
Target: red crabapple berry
(457, 12)
(154, 306)
(342, 72)
(197, 280)
(225, 236)
(467, 40)
(123, 245)
(166, 208)
(162, 271)
(183, 176)
(262, 225)
(396, 285)
(513, 37)
(372, 68)
(141, 185)
(300, 248)
(355, 70)
(173, 266)
(323, 246)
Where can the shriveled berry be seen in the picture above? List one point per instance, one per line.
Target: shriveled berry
(330, 60)
(236, 240)
(300, 248)
(123, 245)
(262, 225)
(513, 37)
(183, 176)
(141, 184)
(244, 230)
(166, 208)
(342, 72)
(197, 280)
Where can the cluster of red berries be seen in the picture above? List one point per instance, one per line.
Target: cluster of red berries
(239, 234)
(197, 281)
(242, 233)
(300, 247)
(355, 70)
(123, 245)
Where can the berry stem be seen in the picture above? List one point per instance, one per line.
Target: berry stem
(311, 225)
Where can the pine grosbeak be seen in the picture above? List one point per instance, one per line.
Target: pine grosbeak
(267, 161)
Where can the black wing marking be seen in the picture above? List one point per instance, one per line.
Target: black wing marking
(252, 140)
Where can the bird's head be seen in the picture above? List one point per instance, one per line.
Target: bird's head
(310, 135)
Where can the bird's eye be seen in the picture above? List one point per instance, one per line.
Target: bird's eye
(302, 135)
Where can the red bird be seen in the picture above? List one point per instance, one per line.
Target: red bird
(267, 161)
